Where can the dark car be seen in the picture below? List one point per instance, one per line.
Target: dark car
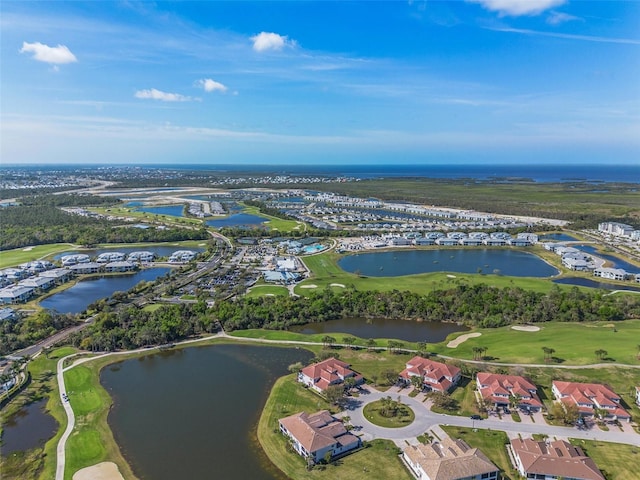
(476, 417)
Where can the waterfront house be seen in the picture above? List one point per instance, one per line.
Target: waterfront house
(552, 461)
(15, 294)
(182, 256)
(120, 266)
(499, 390)
(435, 375)
(611, 273)
(86, 268)
(39, 284)
(589, 397)
(449, 460)
(59, 275)
(318, 435)
(331, 371)
(7, 314)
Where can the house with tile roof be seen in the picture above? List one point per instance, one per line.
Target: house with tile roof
(449, 460)
(551, 461)
(499, 390)
(331, 371)
(589, 397)
(314, 435)
(435, 375)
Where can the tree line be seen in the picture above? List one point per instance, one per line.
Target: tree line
(43, 224)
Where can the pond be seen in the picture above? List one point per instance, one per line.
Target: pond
(76, 299)
(159, 250)
(202, 404)
(407, 330)
(29, 428)
(237, 220)
(172, 210)
(396, 263)
(556, 237)
(585, 282)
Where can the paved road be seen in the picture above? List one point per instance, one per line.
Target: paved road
(71, 421)
(426, 420)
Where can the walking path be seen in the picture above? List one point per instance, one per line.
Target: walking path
(71, 421)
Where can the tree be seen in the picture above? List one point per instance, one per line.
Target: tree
(334, 393)
(417, 382)
(349, 341)
(422, 349)
(349, 383)
(371, 344)
(390, 376)
(328, 341)
(601, 354)
(548, 352)
(295, 367)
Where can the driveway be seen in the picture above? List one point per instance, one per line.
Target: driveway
(426, 420)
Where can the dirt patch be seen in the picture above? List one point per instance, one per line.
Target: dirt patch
(525, 328)
(462, 339)
(100, 471)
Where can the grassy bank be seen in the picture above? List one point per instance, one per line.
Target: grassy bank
(613, 459)
(288, 397)
(39, 462)
(262, 290)
(275, 223)
(11, 258)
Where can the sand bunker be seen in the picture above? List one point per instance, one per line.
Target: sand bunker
(525, 328)
(337, 285)
(101, 471)
(27, 249)
(451, 276)
(462, 339)
(309, 286)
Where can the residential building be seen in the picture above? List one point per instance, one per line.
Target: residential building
(499, 390)
(552, 461)
(315, 435)
(15, 294)
(7, 314)
(39, 284)
(449, 460)
(616, 229)
(120, 266)
(611, 273)
(591, 399)
(182, 256)
(435, 375)
(331, 371)
(86, 268)
(59, 275)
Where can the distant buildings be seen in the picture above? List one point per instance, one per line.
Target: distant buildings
(449, 460)
(318, 436)
(552, 461)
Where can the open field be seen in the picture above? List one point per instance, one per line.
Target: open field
(130, 212)
(552, 200)
(261, 290)
(288, 397)
(574, 344)
(615, 460)
(11, 258)
(491, 442)
(275, 223)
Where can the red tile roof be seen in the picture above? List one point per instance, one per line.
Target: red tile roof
(423, 367)
(330, 371)
(493, 384)
(593, 394)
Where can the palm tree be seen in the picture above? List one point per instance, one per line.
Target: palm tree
(601, 354)
(548, 352)
(477, 352)
(417, 382)
(328, 341)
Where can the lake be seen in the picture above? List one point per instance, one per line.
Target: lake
(192, 413)
(515, 263)
(586, 282)
(556, 237)
(172, 210)
(77, 298)
(407, 330)
(237, 220)
(29, 428)
(615, 262)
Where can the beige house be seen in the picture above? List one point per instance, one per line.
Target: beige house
(551, 461)
(449, 460)
(314, 435)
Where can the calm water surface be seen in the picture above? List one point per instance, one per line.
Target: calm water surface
(237, 220)
(557, 237)
(614, 262)
(173, 210)
(585, 282)
(29, 428)
(77, 298)
(508, 262)
(190, 414)
(408, 330)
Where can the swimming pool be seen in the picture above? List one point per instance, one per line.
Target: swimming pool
(315, 248)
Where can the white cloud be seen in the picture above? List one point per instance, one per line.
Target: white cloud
(569, 36)
(44, 53)
(210, 85)
(556, 18)
(154, 94)
(271, 41)
(516, 8)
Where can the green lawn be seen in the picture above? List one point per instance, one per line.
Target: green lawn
(261, 290)
(404, 417)
(11, 258)
(491, 442)
(130, 212)
(288, 397)
(275, 223)
(574, 343)
(615, 460)
(91, 441)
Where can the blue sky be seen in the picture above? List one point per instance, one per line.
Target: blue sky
(433, 82)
